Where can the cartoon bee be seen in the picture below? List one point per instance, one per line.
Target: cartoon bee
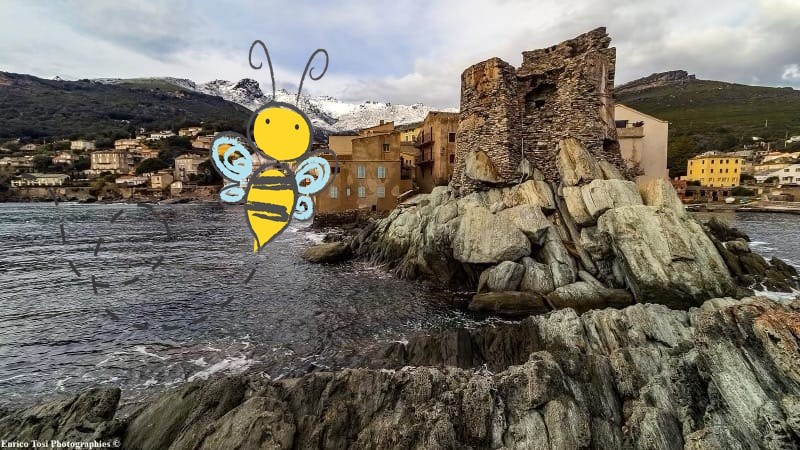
(273, 194)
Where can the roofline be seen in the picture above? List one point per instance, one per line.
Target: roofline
(639, 112)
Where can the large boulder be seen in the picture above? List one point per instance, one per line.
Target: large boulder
(509, 303)
(532, 192)
(486, 238)
(329, 252)
(666, 258)
(659, 192)
(558, 259)
(601, 195)
(529, 219)
(573, 199)
(575, 164)
(505, 276)
(583, 296)
(537, 277)
(479, 167)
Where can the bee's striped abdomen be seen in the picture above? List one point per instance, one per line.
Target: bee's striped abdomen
(271, 196)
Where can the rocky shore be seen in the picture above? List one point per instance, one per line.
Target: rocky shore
(724, 375)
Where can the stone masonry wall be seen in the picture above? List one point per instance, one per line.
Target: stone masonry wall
(561, 91)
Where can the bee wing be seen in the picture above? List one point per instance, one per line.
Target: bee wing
(313, 174)
(234, 163)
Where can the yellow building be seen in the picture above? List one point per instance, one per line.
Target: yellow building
(714, 170)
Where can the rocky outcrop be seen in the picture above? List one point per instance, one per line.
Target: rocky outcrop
(329, 252)
(725, 375)
(630, 242)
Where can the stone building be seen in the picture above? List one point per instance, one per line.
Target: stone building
(514, 115)
(110, 161)
(188, 164)
(436, 140)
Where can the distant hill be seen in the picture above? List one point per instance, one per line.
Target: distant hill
(36, 108)
(712, 115)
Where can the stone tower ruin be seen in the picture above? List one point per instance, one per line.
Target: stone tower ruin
(509, 113)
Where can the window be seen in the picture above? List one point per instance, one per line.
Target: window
(362, 191)
(712, 170)
(334, 192)
(361, 172)
(381, 191)
(381, 172)
(451, 137)
(347, 191)
(452, 158)
(385, 148)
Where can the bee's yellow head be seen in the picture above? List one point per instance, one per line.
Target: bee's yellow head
(282, 131)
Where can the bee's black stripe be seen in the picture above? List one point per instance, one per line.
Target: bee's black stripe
(271, 183)
(268, 211)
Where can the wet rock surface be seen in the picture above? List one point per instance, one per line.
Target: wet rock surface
(724, 375)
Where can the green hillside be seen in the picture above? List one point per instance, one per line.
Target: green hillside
(34, 108)
(713, 115)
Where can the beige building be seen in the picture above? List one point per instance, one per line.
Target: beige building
(203, 142)
(190, 131)
(127, 145)
(188, 164)
(409, 132)
(111, 161)
(161, 179)
(64, 159)
(14, 164)
(370, 174)
(39, 179)
(436, 141)
(643, 141)
(81, 145)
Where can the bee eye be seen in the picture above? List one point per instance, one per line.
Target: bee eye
(267, 121)
(296, 126)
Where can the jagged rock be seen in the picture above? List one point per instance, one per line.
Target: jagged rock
(738, 246)
(532, 192)
(610, 172)
(659, 192)
(529, 219)
(479, 167)
(601, 195)
(583, 296)
(573, 198)
(486, 238)
(510, 303)
(666, 258)
(725, 375)
(555, 255)
(330, 252)
(83, 417)
(537, 277)
(505, 276)
(575, 164)
(724, 232)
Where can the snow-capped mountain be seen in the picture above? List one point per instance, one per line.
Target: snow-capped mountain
(326, 113)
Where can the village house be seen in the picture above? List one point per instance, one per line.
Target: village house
(127, 145)
(408, 132)
(203, 142)
(159, 135)
(187, 165)
(789, 174)
(110, 161)
(64, 159)
(39, 179)
(161, 179)
(29, 148)
(714, 169)
(81, 145)
(370, 174)
(190, 131)
(436, 144)
(16, 164)
(642, 142)
(131, 180)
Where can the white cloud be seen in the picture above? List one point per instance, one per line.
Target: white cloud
(791, 73)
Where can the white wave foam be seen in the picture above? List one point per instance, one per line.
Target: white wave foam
(230, 365)
(780, 296)
(143, 350)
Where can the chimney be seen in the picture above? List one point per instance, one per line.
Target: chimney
(381, 122)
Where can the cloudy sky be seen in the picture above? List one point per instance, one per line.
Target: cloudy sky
(398, 51)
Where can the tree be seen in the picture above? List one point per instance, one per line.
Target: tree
(746, 177)
(681, 148)
(151, 165)
(82, 164)
(741, 191)
(771, 180)
(41, 163)
(207, 174)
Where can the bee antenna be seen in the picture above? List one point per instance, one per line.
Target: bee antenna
(269, 63)
(311, 72)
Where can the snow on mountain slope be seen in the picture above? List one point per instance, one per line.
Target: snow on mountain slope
(325, 112)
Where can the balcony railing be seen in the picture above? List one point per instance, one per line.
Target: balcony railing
(425, 157)
(630, 132)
